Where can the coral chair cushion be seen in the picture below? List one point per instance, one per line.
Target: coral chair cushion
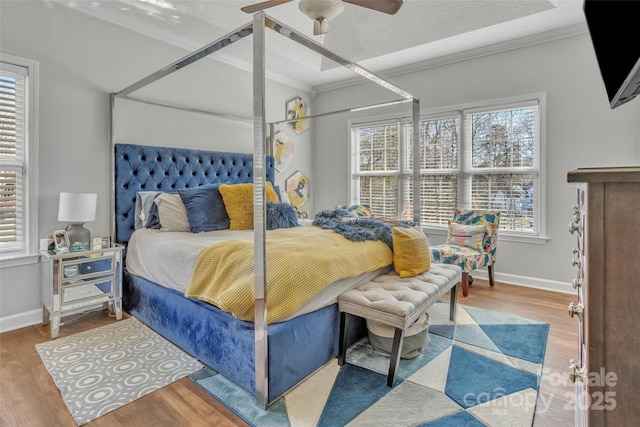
(472, 236)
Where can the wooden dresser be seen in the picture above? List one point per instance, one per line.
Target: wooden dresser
(606, 222)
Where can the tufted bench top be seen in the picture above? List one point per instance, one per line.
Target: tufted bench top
(398, 302)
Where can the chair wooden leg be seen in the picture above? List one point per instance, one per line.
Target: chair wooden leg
(490, 268)
(465, 284)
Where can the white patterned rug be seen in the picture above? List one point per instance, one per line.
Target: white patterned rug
(102, 369)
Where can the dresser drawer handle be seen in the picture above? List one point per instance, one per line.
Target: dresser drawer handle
(576, 309)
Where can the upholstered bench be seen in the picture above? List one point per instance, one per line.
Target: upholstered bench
(398, 302)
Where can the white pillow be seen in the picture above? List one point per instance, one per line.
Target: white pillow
(172, 212)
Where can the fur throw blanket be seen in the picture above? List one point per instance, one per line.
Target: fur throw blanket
(357, 229)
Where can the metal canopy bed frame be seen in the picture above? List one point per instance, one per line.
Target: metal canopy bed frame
(257, 27)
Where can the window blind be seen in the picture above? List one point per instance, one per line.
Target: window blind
(375, 174)
(500, 164)
(12, 155)
(482, 158)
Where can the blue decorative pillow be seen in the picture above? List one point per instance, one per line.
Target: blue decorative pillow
(205, 208)
(281, 215)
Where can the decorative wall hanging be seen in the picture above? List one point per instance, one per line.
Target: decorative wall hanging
(282, 150)
(298, 187)
(297, 109)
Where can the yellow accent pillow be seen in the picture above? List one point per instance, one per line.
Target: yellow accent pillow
(411, 253)
(238, 202)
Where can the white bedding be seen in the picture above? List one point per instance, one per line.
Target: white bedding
(167, 258)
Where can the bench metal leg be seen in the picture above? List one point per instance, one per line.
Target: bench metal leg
(394, 363)
(342, 343)
(453, 308)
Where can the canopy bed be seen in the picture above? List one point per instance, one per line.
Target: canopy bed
(265, 351)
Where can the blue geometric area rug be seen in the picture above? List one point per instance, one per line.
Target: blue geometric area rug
(484, 370)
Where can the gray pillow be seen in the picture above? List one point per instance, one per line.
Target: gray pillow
(144, 200)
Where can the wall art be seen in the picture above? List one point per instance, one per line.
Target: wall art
(297, 110)
(282, 150)
(298, 187)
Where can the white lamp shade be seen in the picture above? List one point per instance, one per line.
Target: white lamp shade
(77, 207)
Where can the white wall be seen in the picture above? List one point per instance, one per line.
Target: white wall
(82, 60)
(581, 132)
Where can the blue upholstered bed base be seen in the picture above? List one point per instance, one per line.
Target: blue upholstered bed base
(297, 347)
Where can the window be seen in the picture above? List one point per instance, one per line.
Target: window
(378, 157)
(18, 221)
(480, 158)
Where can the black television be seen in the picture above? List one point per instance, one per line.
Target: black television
(614, 27)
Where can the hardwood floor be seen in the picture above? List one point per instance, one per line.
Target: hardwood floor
(28, 396)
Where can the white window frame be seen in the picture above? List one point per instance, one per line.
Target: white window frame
(27, 252)
(463, 172)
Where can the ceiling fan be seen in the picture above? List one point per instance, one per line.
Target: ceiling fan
(322, 11)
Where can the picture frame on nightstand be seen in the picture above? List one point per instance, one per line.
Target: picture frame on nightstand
(61, 241)
(101, 242)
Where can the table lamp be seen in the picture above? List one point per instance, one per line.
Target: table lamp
(78, 208)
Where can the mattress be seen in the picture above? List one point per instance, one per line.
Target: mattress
(168, 259)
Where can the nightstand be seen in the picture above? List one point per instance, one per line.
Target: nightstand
(75, 280)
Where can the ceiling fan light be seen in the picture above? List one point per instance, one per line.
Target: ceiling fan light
(321, 9)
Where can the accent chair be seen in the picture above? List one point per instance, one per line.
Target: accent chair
(471, 243)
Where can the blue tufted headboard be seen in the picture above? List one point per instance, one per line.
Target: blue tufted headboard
(149, 168)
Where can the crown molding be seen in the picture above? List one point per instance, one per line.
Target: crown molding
(548, 36)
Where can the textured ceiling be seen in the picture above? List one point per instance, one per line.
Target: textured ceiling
(423, 30)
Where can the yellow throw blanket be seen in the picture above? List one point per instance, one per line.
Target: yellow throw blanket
(301, 262)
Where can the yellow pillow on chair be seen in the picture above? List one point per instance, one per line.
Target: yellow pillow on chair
(411, 253)
(238, 202)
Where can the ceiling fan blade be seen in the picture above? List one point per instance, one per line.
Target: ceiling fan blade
(264, 5)
(386, 6)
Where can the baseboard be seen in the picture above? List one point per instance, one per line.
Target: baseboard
(529, 282)
(34, 317)
(20, 320)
